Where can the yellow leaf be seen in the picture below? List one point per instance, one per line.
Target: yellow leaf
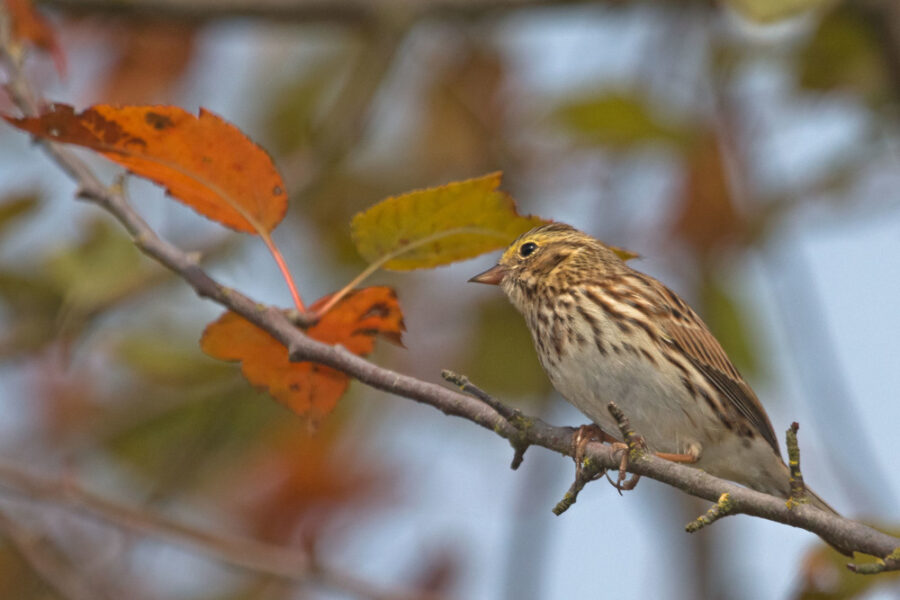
(622, 253)
(437, 226)
(844, 54)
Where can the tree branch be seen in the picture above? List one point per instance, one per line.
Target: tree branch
(529, 430)
(233, 550)
(722, 508)
(240, 552)
(347, 12)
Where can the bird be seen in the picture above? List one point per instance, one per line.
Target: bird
(605, 332)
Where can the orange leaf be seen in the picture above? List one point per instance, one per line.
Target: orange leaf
(28, 24)
(358, 318)
(151, 56)
(309, 389)
(707, 217)
(299, 483)
(202, 161)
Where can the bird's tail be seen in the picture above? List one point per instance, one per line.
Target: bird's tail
(778, 484)
(817, 501)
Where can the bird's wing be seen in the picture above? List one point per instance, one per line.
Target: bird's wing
(686, 330)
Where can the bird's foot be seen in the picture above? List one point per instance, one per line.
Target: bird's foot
(585, 470)
(580, 439)
(687, 458)
(623, 482)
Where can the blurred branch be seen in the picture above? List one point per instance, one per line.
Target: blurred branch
(348, 12)
(240, 552)
(837, 530)
(803, 322)
(45, 561)
(236, 551)
(336, 134)
(798, 309)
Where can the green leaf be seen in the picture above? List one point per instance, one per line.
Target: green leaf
(767, 11)
(728, 321)
(617, 120)
(206, 425)
(290, 118)
(843, 53)
(183, 409)
(502, 357)
(16, 206)
(103, 266)
(33, 303)
(155, 358)
(29, 293)
(437, 226)
(825, 575)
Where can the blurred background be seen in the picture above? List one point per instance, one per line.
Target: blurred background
(748, 150)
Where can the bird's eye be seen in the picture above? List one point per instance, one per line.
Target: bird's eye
(527, 248)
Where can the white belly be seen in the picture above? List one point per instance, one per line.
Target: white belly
(654, 399)
(670, 420)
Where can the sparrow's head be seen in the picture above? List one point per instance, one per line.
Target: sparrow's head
(552, 254)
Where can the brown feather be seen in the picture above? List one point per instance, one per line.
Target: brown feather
(698, 344)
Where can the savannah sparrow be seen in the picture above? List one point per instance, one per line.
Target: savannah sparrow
(604, 331)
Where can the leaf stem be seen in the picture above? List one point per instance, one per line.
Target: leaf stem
(337, 296)
(282, 266)
(381, 261)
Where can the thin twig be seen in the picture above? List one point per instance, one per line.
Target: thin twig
(631, 438)
(718, 510)
(512, 415)
(588, 471)
(798, 488)
(466, 386)
(891, 562)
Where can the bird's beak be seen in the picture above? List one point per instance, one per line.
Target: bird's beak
(492, 276)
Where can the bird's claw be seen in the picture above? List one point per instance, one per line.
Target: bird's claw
(592, 433)
(623, 482)
(580, 439)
